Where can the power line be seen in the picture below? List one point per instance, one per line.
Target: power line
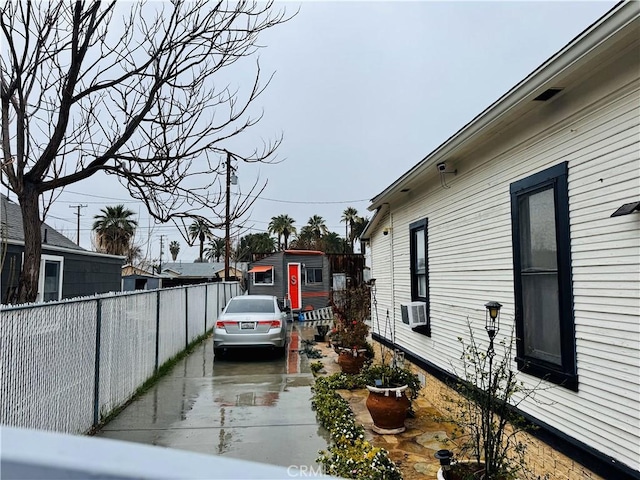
(258, 197)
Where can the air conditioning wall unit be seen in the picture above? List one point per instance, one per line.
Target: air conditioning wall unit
(414, 314)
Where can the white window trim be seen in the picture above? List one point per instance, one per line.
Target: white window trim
(262, 284)
(52, 258)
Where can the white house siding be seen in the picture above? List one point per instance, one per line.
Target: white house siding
(595, 128)
(381, 268)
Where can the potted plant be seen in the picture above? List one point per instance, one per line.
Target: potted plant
(351, 308)
(392, 387)
(484, 414)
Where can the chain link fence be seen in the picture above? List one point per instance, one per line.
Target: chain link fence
(64, 366)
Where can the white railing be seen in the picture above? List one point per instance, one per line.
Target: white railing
(318, 316)
(64, 366)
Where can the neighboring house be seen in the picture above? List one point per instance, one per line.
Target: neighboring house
(175, 274)
(135, 278)
(535, 204)
(66, 270)
(301, 278)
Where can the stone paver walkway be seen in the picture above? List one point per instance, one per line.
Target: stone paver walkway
(414, 449)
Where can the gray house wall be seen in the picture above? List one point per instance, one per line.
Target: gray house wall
(279, 287)
(83, 275)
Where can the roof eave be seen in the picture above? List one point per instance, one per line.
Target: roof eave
(83, 252)
(612, 22)
(371, 225)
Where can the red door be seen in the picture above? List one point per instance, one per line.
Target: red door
(295, 288)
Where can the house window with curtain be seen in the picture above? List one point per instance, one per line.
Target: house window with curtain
(542, 277)
(419, 263)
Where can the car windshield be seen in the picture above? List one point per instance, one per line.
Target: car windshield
(250, 305)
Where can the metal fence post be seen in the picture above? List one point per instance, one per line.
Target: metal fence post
(186, 317)
(96, 386)
(155, 369)
(206, 299)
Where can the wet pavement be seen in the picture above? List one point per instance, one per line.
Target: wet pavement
(250, 406)
(259, 409)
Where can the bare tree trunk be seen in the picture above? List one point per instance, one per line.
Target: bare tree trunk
(28, 284)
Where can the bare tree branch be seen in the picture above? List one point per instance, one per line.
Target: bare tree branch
(133, 90)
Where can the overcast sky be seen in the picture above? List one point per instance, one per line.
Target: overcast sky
(362, 92)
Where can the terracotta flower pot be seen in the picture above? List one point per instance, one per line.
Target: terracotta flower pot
(350, 363)
(388, 408)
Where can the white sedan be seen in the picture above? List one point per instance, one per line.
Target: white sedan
(251, 321)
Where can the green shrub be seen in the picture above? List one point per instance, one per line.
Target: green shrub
(350, 455)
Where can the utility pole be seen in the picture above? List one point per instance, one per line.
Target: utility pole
(227, 240)
(160, 261)
(78, 207)
(232, 179)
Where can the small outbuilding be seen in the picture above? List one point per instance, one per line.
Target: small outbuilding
(136, 278)
(179, 273)
(303, 279)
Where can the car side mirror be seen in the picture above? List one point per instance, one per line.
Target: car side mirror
(287, 310)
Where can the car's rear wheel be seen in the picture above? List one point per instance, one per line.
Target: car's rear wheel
(218, 352)
(280, 351)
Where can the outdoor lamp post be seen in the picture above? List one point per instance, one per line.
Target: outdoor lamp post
(492, 325)
(492, 321)
(445, 457)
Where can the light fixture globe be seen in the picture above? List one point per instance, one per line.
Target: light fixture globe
(492, 322)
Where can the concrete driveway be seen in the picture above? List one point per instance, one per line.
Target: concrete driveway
(249, 406)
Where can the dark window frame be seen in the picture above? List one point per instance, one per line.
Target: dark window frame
(314, 271)
(415, 297)
(565, 374)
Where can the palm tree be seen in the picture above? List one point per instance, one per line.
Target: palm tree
(262, 243)
(199, 230)
(174, 248)
(282, 226)
(333, 243)
(358, 227)
(114, 230)
(254, 243)
(349, 217)
(305, 239)
(215, 250)
(317, 227)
